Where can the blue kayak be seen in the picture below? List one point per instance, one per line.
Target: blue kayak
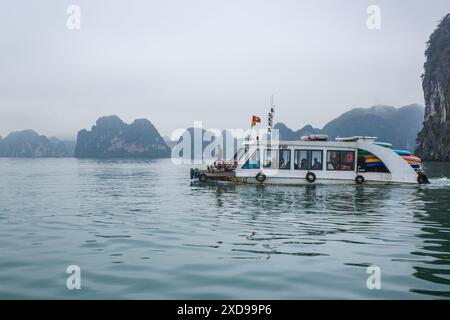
(383, 144)
(374, 164)
(380, 164)
(403, 152)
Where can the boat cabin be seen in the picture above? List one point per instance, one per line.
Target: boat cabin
(315, 159)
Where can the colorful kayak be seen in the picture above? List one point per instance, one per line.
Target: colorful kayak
(384, 144)
(403, 152)
(380, 164)
(362, 153)
(407, 157)
(412, 159)
(373, 160)
(415, 165)
(371, 156)
(374, 164)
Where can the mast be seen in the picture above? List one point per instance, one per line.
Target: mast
(270, 116)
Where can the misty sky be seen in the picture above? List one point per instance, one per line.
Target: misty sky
(177, 61)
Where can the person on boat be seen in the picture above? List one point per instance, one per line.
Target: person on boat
(316, 165)
(303, 164)
(284, 164)
(268, 163)
(331, 165)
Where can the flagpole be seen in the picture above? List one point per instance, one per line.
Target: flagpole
(255, 120)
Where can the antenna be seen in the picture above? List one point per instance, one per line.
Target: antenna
(272, 106)
(270, 116)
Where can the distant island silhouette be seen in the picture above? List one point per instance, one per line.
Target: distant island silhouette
(110, 137)
(30, 144)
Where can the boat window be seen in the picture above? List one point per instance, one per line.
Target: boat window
(253, 162)
(270, 159)
(308, 160)
(316, 160)
(340, 160)
(301, 160)
(285, 160)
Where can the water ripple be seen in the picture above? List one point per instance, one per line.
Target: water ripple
(139, 229)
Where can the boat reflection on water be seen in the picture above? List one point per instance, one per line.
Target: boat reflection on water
(346, 199)
(396, 227)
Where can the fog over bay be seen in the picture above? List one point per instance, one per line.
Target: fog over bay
(177, 61)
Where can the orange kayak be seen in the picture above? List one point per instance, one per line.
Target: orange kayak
(412, 159)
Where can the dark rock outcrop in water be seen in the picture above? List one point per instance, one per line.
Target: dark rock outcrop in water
(113, 138)
(433, 142)
(29, 144)
(397, 126)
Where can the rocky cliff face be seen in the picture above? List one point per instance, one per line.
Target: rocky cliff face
(29, 144)
(112, 138)
(433, 142)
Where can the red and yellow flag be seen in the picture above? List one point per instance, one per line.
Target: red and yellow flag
(255, 120)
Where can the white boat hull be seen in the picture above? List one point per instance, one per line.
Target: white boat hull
(299, 181)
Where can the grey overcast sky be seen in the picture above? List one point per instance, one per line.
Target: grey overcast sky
(175, 61)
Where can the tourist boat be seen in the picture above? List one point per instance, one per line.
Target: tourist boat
(315, 159)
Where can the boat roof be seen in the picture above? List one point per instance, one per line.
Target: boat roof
(348, 142)
(358, 138)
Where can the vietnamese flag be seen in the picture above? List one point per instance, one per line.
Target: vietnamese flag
(255, 120)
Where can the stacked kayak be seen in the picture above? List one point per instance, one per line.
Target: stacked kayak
(414, 161)
(371, 161)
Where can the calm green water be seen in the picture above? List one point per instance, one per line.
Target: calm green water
(139, 229)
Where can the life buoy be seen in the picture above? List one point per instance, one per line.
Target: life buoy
(202, 177)
(360, 179)
(261, 177)
(311, 177)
